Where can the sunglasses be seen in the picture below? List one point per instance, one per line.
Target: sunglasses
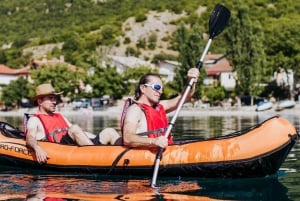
(156, 87)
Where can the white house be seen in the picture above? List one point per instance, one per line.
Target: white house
(166, 69)
(218, 69)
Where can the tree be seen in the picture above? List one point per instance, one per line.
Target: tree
(214, 94)
(107, 81)
(159, 57)
(245, 41)
(109, 33)
(283, 44)
(189, 44)
(141, 43)
(14, 92)
(62, 77)
(71, 48)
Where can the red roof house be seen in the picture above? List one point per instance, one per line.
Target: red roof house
(8, 74)
(215, 64)
(218, 69)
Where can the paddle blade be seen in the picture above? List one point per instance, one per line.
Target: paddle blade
(218, 20)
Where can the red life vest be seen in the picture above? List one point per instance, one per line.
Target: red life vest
(54, 125)
(157, 121)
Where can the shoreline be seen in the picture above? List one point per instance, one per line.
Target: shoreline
(115, 111)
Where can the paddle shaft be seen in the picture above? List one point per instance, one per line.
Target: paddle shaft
(172, 122)
(217, 22)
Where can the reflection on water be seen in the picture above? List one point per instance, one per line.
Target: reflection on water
(96, 187)
(243, 189)
(284, 186)
(88, 188)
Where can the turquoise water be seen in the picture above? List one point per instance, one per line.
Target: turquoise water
(285, 185)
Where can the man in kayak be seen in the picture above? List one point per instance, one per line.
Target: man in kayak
(48, 125)
(144, 119)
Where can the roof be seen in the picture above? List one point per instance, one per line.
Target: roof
(216, 63)
(53, 62)
(4, 70)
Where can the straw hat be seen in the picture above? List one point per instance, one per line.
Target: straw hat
(43, 90)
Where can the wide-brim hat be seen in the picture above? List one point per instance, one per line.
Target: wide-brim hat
(43, 90)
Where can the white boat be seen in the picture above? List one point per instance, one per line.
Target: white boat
(264, 105)
(284, 104)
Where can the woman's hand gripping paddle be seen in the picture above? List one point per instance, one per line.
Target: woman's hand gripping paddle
(218, 21)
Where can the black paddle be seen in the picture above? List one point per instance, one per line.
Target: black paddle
(218, 21)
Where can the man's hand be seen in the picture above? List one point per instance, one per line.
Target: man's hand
(193, 73)
(161, 141)
(41, 155)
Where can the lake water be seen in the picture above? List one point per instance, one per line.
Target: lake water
(285, 185)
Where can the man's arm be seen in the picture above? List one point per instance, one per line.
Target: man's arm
(31, 141)
(171, 104)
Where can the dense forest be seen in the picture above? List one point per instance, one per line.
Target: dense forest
(262, 35)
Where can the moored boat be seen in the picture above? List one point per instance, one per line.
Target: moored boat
(264, 105)
(254, 152)
(285, 104)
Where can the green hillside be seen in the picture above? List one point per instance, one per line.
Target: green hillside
(85, 24)
(262, 35)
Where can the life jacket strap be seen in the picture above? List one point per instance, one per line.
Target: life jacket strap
(53, 133)
(157, 131)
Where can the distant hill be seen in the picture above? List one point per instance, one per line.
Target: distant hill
(158, 24)
(143, 28)
(84, 25)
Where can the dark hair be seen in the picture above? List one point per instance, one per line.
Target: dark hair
(144, 80)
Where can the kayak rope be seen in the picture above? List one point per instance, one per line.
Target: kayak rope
(114, 164)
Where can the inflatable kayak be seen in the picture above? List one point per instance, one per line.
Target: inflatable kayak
(254, 152)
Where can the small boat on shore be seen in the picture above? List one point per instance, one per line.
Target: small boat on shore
(264, 105)
(285, 104)
(254, 152)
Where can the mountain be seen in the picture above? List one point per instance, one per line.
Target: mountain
(143, 28)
